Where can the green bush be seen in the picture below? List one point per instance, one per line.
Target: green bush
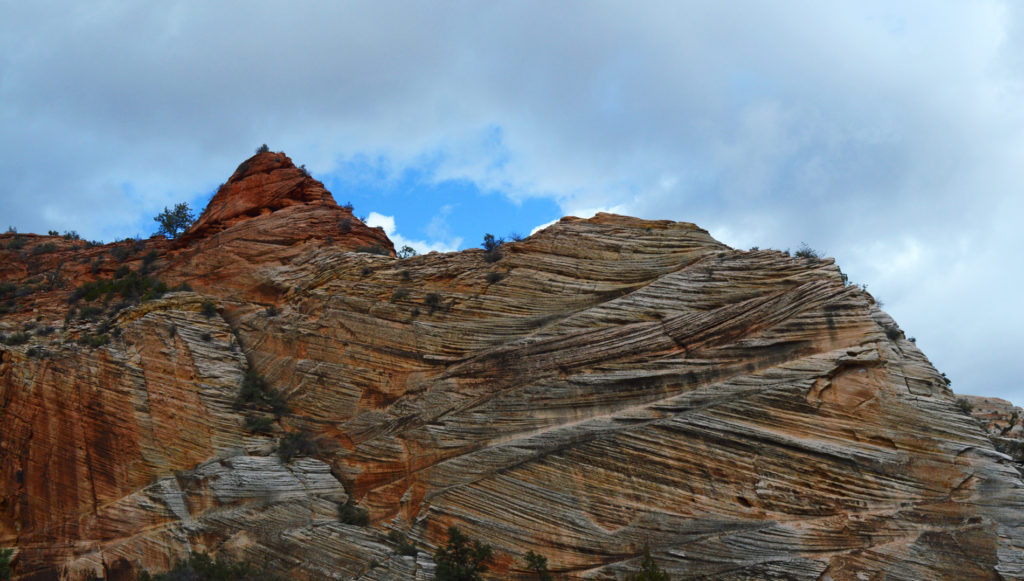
(132, 286)
(492, 248)
(147, 261)
(18, 338)
(255, 391)
(44, 248)
(407, 252)
(352, 514)
(200, 567)
(806, 251)
(209, 309)
(259, 424)
(263, 148)
(433, 302)
(461, 560)
(401, 293)
(402, 544)
(296, 445)
(964, 405)
(90, 312)
(374, 249)
(494, 277)
(120, 253)
(649, 570)
(16, 243)
(5, 564)
(97, 340)
(539, 565)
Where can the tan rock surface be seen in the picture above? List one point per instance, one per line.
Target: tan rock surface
(626, 382)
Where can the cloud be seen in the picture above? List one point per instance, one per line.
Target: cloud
(420, 246)
(856, 127)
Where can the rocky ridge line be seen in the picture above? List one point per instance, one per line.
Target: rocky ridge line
(606, 384)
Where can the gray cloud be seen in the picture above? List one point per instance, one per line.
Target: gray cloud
(887, 135)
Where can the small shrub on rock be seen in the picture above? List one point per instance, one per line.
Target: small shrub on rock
(432, 302)
(45, 248)
(120, 253)
(649, 570)
(964, 405)
(296, 445)
(208, 309)
(402, 544)
(201, 567)
(5, 564)
(255, 391)
(259, 424)
(352, 514)
(94, 341)
(806, 251)
(492, 248)
(401, 293)
(18, 338)
(373, 249)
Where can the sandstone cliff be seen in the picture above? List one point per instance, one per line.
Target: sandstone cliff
(602, 385)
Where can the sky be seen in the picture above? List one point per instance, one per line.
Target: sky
(889, 135)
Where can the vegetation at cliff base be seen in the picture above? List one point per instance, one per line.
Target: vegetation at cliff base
(201, 567)
(461, 559)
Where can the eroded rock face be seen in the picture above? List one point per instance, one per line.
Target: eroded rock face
(606, 384)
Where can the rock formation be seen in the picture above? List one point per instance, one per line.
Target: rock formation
(602, 385)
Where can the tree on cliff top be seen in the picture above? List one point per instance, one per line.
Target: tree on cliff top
(175, 222)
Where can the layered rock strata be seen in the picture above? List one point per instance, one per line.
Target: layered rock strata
(601, 386)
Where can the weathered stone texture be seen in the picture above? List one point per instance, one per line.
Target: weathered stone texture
(627, 382)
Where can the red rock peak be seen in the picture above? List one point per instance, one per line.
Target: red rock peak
(264, 183)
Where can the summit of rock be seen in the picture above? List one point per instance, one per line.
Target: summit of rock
(264, 183)
(602, 386)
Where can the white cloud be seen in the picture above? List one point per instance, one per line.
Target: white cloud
(420, 246)
(845, 125)
(541, 227)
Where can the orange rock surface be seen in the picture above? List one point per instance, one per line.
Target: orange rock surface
(605, 384)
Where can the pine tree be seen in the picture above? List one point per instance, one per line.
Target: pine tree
(649, 570)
